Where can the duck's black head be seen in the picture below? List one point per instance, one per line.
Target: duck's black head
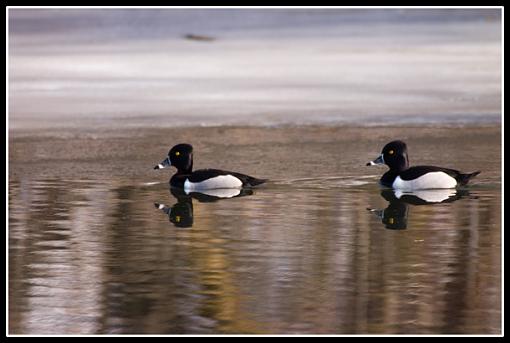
(394, 155)
(181, 157)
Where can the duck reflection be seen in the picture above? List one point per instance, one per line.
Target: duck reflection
(181, 213)
(395, 216)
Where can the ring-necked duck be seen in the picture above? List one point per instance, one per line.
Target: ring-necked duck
(181, 157)
(401, 176)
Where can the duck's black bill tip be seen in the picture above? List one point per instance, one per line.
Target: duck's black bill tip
(159, 206)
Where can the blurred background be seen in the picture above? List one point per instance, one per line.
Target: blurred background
(186, 67)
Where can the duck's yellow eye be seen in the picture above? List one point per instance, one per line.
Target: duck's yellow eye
(391, 221)
(177, 153)
(391, 152)
(178, 219)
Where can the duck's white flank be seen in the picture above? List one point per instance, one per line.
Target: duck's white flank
(427, 181)
(219, 192)
(217, 182)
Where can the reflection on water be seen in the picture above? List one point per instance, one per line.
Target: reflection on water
(395, 215)
(181, 213)
(88, 256)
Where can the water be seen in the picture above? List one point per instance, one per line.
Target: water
(97, 247)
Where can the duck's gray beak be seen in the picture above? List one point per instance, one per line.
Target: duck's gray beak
(378, 160)
(165, 163)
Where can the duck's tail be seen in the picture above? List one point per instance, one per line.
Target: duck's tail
(255, 182)
(463, 179)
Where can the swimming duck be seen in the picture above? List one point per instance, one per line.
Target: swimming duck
(181, 157)
(401, 176)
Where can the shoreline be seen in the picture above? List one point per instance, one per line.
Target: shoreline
(44, 131)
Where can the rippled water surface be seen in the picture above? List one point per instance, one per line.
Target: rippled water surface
(319, 254)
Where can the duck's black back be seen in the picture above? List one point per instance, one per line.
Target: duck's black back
(205, 174)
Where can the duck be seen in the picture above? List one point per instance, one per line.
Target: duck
(181, 157)
(401, 176)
